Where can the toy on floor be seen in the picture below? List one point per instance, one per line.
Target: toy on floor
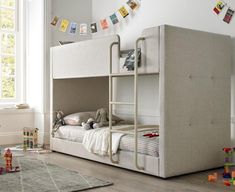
(8, 161)
(228, 162)
(213, 178)
(227, 183)
(30, 138)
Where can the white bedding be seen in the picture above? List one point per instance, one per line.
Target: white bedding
(148, 146)
(97, 141)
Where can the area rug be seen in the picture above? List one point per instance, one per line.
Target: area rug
(39, 176)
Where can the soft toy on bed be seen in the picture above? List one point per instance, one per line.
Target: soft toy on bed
(100, 120)
(59, 121)
(90, 124)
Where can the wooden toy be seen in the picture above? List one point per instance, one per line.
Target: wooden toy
(30, 138)
(213, 178)
(228, 162)
(227, 183)
(8, 160)
(233, 174)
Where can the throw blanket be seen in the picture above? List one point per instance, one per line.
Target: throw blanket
(97, 141)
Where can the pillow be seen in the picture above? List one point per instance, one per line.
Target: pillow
(77, 118)
(116, 119)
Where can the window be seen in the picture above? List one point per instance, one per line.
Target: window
(10, 52)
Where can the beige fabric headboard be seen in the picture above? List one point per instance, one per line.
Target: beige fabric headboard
(80, 94)
(195, 100)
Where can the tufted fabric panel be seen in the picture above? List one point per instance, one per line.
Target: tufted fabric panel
(195, 99)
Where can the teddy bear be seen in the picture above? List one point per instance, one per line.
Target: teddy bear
(101, 119)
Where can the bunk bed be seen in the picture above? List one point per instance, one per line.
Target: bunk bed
(188, 72)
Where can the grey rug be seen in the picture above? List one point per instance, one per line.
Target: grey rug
(38, 176)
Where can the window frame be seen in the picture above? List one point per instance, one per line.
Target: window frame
(19, 32)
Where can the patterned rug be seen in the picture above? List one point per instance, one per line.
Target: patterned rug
(39, 176)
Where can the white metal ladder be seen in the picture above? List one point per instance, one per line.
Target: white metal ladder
(133, 129)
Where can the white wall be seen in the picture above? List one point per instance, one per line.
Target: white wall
(79, 11)
(12, 123)
(35, 61)
(185, 13)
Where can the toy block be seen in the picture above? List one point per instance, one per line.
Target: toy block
(227, 183)
(213, 178)
(233, 174)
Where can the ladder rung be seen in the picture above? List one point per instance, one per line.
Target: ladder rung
(124, 132)
(121, 103)
(121, 74)
(146, 129)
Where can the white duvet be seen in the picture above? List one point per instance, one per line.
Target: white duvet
(97, 141)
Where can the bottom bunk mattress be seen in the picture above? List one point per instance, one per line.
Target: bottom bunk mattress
(146, 145)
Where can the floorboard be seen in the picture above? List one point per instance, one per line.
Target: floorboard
(129, 181)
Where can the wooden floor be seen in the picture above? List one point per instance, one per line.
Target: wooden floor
(128, 181)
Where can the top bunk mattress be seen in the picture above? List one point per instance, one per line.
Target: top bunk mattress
(147, 146)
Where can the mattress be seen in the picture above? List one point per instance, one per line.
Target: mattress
(147, 146)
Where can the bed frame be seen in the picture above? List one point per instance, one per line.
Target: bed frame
(194, 89)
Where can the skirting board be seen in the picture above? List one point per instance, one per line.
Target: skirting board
(126, 159)
(10, 138)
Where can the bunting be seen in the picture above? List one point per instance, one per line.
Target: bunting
(104, 23)
(220, 6)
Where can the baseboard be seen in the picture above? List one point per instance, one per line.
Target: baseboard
(10, 138)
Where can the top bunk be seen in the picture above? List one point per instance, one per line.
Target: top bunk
(92, 58)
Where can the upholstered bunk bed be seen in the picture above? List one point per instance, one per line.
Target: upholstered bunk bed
(183, 89)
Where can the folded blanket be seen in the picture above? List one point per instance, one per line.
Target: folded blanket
(97, 141)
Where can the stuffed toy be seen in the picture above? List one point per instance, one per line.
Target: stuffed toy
(130, 60)
(90, 124)
(101, 119)
(59, 121)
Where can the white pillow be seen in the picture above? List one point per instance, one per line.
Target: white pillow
(77, 118)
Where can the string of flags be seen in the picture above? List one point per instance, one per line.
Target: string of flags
(72, 27)
(220, 6)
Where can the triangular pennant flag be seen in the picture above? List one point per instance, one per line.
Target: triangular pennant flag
(219, 7)
(123, 12)
(83, 29)
(93, 28)
(55, 21)
(229, 15)
(73, 28)
(104, 24)
(114, 19)
(64, 25)
(133, 4)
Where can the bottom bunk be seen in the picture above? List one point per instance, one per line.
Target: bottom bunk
(147, 145)
(125, 158)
